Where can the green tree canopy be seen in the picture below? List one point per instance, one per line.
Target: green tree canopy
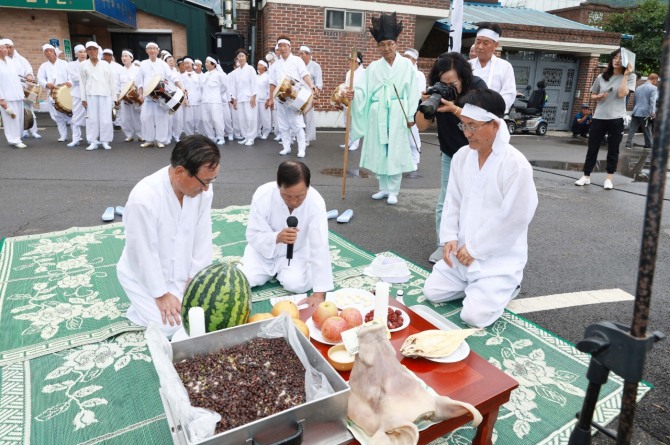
(647, 24)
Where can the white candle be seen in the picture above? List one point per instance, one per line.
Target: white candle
(382, 302)
(196, 320)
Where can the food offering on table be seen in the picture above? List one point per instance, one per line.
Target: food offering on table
(283, 306)
(340, 359)
(223, 292)
(224, 381)
(396, 320)
(434, 343)
(327, 323)
(386, 401)
(350, 297)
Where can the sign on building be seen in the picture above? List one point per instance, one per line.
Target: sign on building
(67, 49)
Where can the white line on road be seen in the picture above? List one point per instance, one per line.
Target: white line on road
(560, 301)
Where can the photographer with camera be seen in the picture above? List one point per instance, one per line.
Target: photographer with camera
(450, 79)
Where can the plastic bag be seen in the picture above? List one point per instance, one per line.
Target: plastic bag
(198, 423)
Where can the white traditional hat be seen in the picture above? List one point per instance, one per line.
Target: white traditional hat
(151, 45)
(414, 54)
(108, 51)
(305, 48)
(4, 42)
(47, 46)
(79, 48)
(8, 42)
(197, 62)
(91, 43)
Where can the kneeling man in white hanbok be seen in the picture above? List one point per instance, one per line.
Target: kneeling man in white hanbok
(168, 226)
(490, 201)
(269, 236)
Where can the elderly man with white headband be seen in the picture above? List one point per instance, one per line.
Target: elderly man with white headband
(25, 69)
(490, 201)
(52, 73)
(197, 66)
(78, 111)
(289, 120)
(11, 98)
(497, 73)
(263, 92)
(131, 122)
(193, 112)
(415, 139)
(154, 116)
(314, 70)
(98, 93)
(243, 97)
(214, 99)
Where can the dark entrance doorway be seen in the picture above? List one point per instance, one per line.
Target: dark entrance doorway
(136, 42)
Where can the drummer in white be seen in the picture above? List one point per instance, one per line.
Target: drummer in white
(154, 116)
(98, 92)
(11, 98)
(131, 123)
(25, 69)
(52, 73)
(289, 119)
(78, 111)
(314, 70)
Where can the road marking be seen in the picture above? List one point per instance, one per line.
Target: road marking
(560, 301)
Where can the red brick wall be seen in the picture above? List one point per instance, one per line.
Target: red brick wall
(566, 35)
(331, 49)
(179, 42)
(582, 13)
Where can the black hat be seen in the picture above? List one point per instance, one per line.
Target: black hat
(385, 27)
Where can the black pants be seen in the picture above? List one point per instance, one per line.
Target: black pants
(613, 128)
(581, 129)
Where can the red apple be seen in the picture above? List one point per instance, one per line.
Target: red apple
(333, 327)
(324, 310)
(352, 316)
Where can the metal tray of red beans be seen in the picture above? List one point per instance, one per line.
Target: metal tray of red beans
(317, 422)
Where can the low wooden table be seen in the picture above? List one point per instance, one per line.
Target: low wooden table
(473, 380)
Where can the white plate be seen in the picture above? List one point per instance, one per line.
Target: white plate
(350, 297)
(445, 325)
(405, 318)
(315, 333)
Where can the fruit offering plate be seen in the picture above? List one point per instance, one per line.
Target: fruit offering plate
(442, 323)
(349, 297)
(405, 320)
(315, 333)
(368, 316)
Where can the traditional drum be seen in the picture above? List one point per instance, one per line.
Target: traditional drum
(338, 98)
(129, 94)
(166, 95)
(294, 94)
(28, 120)
(62, 99)
(32, 92)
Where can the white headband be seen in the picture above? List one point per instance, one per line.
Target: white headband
(47, 46)
(197, 62)
(479, 114)
(188, 59)
(263, 62)
(288, 42)
(414, 54)
(7, 42)
(211, 60)
(108, 51)
(127, 53)
(485, 32)
(79, 48)
(305, 48)
(151, 45)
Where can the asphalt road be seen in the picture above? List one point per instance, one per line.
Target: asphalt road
(582, 238)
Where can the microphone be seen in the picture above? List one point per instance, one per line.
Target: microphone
(291, 221)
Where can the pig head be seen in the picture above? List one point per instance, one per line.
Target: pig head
(386, 401)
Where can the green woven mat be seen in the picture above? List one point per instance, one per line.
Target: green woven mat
(108, 390)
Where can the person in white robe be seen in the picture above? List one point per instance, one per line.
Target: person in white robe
(497, 73)
(154, 115)
(270, 58)
(415, 139)
(288, 118)
(490, 202)
(131, 122)
(193, 111)
(52, 73)
(214, 88)
(78, 110)
(117, 70)
(262, 94)
(176, 119)
(316, 75)
(197, 66)
(359, 74)
(25, 69)
(243, 96)
(268, 235)
(11, 98)
(168, 228)
(234, 115)
(98, 93)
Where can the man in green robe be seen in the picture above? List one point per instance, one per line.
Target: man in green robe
(382, 103)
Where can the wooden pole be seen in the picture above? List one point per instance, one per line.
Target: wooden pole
(352, 68)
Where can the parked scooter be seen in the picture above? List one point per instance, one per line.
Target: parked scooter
(526, 114)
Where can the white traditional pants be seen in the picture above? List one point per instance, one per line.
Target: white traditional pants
(415, 144)
(296, 277)
(290, 120)
(143, 310)
(213, 121)
(264, 118)
(390, 183)
(485, 296)
(78, 118)
(235, 114)
(131, 122)
(13, 126)
(192, 119)
(61, 119)
(154, 122)
(99, 124)
(310, 125)
(228, 119)
(177, 123)
(248, 120)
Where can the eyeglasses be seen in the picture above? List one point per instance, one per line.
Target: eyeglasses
(469, 128)
(204, 184)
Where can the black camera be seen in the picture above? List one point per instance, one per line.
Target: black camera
(438, 91)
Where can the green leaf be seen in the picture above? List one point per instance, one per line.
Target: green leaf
(551, 395)
(20, 297)
(27, 307)
(571, 389)
(90, 403)
(494, 341)
(86, 391)
(565, 376)
(52, 412)
(54, 388)
(121, 363)
(523, 343)
(58, 372)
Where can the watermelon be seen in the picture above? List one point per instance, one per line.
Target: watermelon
(223, 292)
